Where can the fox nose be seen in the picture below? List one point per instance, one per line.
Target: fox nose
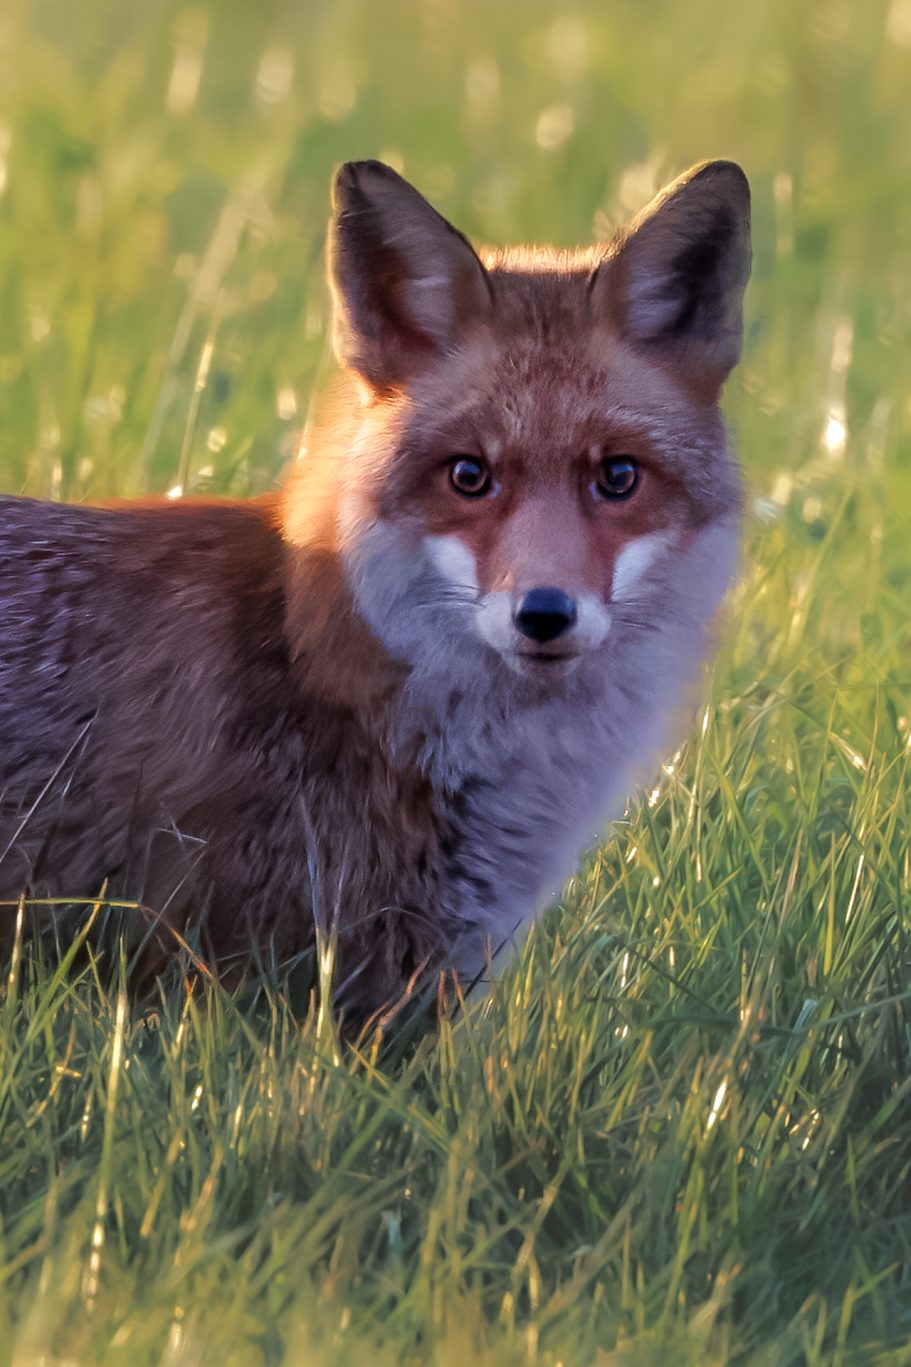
(545, 613)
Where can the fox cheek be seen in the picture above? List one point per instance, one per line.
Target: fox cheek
(594, 621)
(453, 560)
(495, 620)
(634, 561)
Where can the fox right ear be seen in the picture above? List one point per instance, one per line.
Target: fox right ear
(405, 284)
(674, 285)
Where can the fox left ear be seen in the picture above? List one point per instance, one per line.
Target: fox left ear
(674, 285)
(405, 284)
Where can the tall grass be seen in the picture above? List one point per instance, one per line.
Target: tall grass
(680, 1130)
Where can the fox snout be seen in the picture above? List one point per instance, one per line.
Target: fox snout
(543, 614)
(543, 624)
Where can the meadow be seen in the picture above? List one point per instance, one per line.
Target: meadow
(679, 1132)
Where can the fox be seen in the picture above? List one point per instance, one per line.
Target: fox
(395, 700)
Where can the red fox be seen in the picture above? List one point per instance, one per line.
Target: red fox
(397, 699)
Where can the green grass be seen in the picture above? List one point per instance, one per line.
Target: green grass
(680, 1132)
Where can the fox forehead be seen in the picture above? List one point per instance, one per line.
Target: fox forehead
(526, 386)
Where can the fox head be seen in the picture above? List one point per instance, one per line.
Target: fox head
(535, 455)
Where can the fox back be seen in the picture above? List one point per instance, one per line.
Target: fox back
(396, 700)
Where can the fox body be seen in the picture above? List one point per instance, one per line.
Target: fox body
(397, 699)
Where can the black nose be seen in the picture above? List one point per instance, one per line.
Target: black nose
(544, 614)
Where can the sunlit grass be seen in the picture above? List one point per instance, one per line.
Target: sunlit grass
(678, 1131)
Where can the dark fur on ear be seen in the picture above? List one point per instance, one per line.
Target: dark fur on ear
(405, 283)
(674, 283)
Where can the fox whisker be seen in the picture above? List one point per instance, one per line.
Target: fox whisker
(623, 620)
(444, 597)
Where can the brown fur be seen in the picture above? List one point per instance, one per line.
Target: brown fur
(171, 753)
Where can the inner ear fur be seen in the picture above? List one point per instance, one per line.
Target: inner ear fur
(405, 284)
(673, 283)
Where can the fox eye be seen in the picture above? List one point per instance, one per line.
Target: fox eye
(617, 477)
(470, 476)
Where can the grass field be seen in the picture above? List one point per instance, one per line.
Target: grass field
(680, 1133)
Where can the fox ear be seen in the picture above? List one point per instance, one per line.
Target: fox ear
(405, 283)
(674, 285)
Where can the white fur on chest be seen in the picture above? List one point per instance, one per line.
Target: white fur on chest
(537, 796)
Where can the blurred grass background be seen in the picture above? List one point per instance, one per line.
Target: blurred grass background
(681, 1132)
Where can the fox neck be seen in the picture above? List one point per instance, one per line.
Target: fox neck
(335, 657)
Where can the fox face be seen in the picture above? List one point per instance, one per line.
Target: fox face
(538, 444)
